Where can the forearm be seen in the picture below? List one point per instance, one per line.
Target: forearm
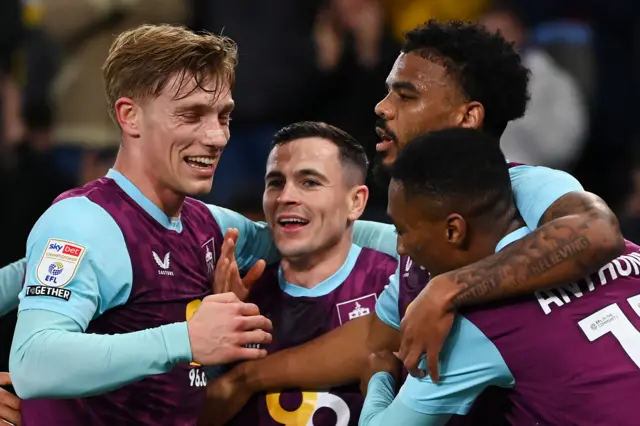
(43, 360)
(333, 359)
(566, 248)
(11, 278)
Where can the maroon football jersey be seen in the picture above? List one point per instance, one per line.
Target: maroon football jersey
(157, 297)
(299, 319)
(574, 350)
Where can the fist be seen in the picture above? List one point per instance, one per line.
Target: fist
(225, 330)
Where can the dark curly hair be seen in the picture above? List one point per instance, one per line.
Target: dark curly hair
(485, 65)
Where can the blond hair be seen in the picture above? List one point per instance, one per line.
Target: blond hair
(142, 60)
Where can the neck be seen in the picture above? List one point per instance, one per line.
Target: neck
(134, 168)
(310, 270)
(503, 226)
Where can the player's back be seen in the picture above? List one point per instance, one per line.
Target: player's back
(300, 315)
(170, 275)
(574, 351)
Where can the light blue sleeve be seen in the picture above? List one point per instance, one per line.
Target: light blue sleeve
(78, 264)
(255, 241)
(377, 236)
(387, 304)
(11, 278)
(381, 409)
(471, 363)
(535, 188)
(52, 358)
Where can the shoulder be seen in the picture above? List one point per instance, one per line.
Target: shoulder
(377, 262)
(78, 226)
(522, 174)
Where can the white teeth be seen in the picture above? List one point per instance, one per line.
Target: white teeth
(293, 220)
(204, 160)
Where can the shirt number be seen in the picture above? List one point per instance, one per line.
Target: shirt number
(611, 319)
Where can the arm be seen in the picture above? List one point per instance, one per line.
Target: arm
(382, 408)
(333, 359)
(578, 234)
(11, 278)
(377, 236)
(64, 290)
(255, 241)
(330, 360)
(48, 347)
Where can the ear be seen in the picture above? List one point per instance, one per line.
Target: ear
(128, 116)
(456, 230)
(472, 115)
(358, 197)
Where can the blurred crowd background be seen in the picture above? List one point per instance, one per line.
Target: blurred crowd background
(310, 59)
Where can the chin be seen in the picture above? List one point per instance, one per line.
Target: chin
(195, 189)
(293, 250)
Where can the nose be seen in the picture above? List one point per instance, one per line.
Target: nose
(384, 110)
(288, 195)
(215, 136)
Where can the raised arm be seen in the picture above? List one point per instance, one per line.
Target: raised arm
(578, 234)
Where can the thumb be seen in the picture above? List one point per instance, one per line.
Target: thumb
(5, 378)
(254, 273)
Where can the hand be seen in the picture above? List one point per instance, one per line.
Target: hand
(425, 327)
(227, 276)
(380, 361)
(9, 403)
(226, 396)
(222, 326)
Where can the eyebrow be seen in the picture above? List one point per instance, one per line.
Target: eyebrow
(402, 85)
(302, 172)
(202, 106)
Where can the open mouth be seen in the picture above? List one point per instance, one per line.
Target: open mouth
(387, 141)
(202, 163)
(292, 223)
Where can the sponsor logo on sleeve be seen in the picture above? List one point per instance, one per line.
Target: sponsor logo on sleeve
(59, 263)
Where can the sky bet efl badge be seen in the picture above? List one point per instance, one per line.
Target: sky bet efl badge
(59, 263)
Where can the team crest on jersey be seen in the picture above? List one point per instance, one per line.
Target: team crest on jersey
(209, 255)
(356, 308)
(59, 262)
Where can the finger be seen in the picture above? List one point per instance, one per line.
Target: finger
(248, 353)
(432, 366)
(228, 246)
(10, 415)
(248, 309)
(235, 283)
(255, 337)
(254, 273)
(256, 322)
(220, 276)
(8, 399)
(412, 361)
(5, 378)
(222, 298)
(225, 276)
(234, 234)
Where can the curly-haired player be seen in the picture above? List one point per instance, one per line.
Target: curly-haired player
(449, 74)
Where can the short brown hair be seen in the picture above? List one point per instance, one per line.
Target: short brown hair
(143, 59)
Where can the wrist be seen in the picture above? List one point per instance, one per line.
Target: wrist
(444, 292)
(246, 375)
